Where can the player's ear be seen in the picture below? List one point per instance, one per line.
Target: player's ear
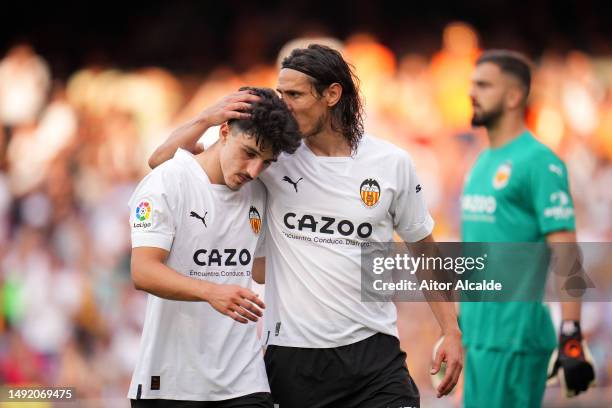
(224, 132)
(514, 95)
(332, 94)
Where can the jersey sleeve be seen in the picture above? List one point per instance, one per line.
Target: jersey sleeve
(411, 218)
(552, 201)
(151, 208)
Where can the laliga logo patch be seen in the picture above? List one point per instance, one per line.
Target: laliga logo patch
(502, 176)
(370, 192)
(255, 220)
(143, 211)
(143, 214)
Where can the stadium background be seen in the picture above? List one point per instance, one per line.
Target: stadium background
(88, 90)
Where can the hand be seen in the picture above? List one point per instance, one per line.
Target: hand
(448, 357)
(241, 304)
(233, 106)
(572, 360)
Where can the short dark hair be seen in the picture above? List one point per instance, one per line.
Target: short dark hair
(325, 66)
(512, 63)
(271, 123)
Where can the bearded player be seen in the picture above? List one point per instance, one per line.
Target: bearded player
(509, 345)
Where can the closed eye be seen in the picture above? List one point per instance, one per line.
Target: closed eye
(482, 84)
(290, 94)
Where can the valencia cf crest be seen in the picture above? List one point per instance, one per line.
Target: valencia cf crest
(255, 220)
(502, 176)
(370, 192)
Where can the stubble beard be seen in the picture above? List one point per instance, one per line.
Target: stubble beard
(487, 119)
(317, 129)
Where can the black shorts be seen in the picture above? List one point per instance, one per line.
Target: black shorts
(371, 373)
(257, 400)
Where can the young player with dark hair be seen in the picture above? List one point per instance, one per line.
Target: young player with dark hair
(196, 222)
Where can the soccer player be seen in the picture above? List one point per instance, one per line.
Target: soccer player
(341, 190)
(195, 223)
(517, 191)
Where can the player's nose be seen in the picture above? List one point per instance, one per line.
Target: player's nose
(473, 96)
(255, 167)
(289, 105)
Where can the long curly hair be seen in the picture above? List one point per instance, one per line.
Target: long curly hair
(325, 66)
(271, 123)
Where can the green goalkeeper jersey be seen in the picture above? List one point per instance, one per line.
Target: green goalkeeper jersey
(515, 193)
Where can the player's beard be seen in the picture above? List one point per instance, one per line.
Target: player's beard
(489, 118)
(317, 128)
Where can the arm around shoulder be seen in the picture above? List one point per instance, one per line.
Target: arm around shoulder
(232, 106)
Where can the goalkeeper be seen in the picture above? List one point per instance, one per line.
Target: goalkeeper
(525, 188)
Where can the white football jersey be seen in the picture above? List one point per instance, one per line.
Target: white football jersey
(321, 211)
(188, 350)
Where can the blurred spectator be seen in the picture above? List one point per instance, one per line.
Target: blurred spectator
(24, 83)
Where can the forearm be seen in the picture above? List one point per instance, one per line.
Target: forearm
(184, 137)
(446, 315)
(566, 262)
(163, 281)
(571, 310)
(440, 301)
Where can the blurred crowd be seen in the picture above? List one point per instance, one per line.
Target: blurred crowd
(71, 153)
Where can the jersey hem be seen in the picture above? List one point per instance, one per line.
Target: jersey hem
(558, 228)
(197, 397)
(510, 348)
(331, 345)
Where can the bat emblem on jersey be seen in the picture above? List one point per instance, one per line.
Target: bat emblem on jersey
(370, 192)
(288, 180)
(195, 215)
(255, 220)
(502, 176)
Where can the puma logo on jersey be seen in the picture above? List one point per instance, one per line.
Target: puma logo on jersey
(203, 219)
(288, 180)
(555, 169)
